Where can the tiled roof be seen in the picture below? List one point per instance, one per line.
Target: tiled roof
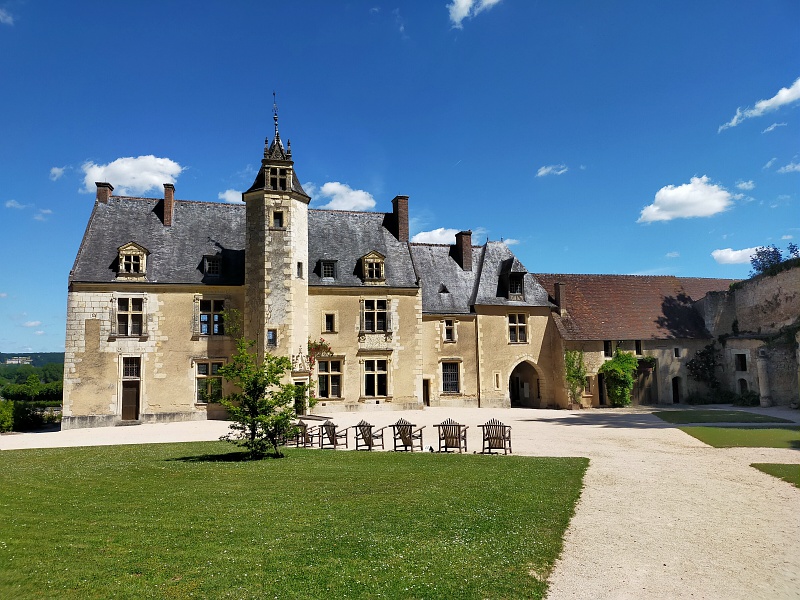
(630, 307)
(176, 252)
(496, 262)
(446, 287)
(345, 237)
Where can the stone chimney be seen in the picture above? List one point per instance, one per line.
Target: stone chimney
(561, 298)
(463, 249)
(103, 191)
(400, 211)
(169, 203)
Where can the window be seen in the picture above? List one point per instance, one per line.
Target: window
(638, 347)
(211, 318)
(450, 379)
(132, 260)
(515, 286)
(277, 179)
(330, 323)
(277, 219)
(375, 378)
(329, 379)
(300, 270)
(374, 316)
(130, 317)
(328, 269)
(607, 349)
(449, 330)
(517, 328)
(272, 337)
(741, 362)
(212, 266)
(676, 352)
(131, 367)
(373, 267)
(209, 381)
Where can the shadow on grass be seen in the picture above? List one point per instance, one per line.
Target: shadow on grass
(227, 457)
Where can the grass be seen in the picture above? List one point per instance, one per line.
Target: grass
(679, 417)
(789, 473)
(734, 437)
(194, 520)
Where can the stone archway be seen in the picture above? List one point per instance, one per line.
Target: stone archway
(525, 386)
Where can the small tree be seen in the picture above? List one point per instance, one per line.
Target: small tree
(619, 377)
(768, 258)
(703, 367)
(574, 374)
(262, 412)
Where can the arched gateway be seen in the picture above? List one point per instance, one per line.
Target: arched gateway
(526, 386)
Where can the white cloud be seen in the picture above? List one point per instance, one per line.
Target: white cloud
(510, 242)
(729, 256)
(6, 18)
(56, 173)
(783, 97)
(342, 196)
(232, 196)
(698, 198)
(132, 175)
(42, 213)
(40, 332)
(783, 237)
(14, 204)
(770, 162)
(672, 254)
(463, 9)
(436, 236)
(3, 295)
(792, 167)
(745, 185)
(31, 323)
(773, 126)
(552, 170)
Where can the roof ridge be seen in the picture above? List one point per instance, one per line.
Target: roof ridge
(355, 212)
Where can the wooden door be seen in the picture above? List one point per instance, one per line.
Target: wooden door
(130, 400)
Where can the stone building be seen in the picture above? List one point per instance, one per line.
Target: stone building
(409, 324)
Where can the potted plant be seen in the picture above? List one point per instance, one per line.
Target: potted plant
(647, 363)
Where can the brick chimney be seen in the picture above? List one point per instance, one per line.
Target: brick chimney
(561, 298)
(169, 203)
(103, 191)
(400, 211)
(463, 250)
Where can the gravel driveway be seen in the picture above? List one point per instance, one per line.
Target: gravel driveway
(662, 516)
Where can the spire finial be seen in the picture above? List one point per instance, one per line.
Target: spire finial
(275, 114)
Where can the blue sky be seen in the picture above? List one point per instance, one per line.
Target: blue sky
(594, 137)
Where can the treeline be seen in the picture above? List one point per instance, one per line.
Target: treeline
(32, 384)
(38, 359)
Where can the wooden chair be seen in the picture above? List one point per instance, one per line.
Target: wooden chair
(307, 435)
(406, 437)
(329, 437)
(367, 436)
(496, 436)
(452, 435)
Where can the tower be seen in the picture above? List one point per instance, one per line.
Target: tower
(276, 253)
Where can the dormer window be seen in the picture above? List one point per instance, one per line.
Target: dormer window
(327, 270)
(374, 268)
(278, 178)
(132, 260)
(212, 265)
(515, 286)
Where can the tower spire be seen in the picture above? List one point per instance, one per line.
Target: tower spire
(275, 115)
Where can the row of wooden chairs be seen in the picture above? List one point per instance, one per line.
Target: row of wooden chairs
(405, 435)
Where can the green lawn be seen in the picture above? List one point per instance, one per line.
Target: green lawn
(729, 437)
(715, 416)
(192, 520)
(789, 473)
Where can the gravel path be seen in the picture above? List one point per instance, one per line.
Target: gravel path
(661, 515)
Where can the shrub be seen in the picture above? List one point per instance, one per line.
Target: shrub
(619, 377)
(6, 416)
(574, 374)
(748, 398)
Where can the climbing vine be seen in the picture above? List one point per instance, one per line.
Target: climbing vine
(619, 377)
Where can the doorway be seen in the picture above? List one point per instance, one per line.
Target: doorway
(524, 387)
(426, 392)
(130, 400)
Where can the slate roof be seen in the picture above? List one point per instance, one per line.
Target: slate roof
(346, 236)
(631, 307)
(485, 284)
(176, 252)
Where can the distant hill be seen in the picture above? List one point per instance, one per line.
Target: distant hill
(38, 359)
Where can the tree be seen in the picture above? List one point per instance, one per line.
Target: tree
(703, 367)
(767, 258)
(263, 411)
(574, 374)
(619, 377)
